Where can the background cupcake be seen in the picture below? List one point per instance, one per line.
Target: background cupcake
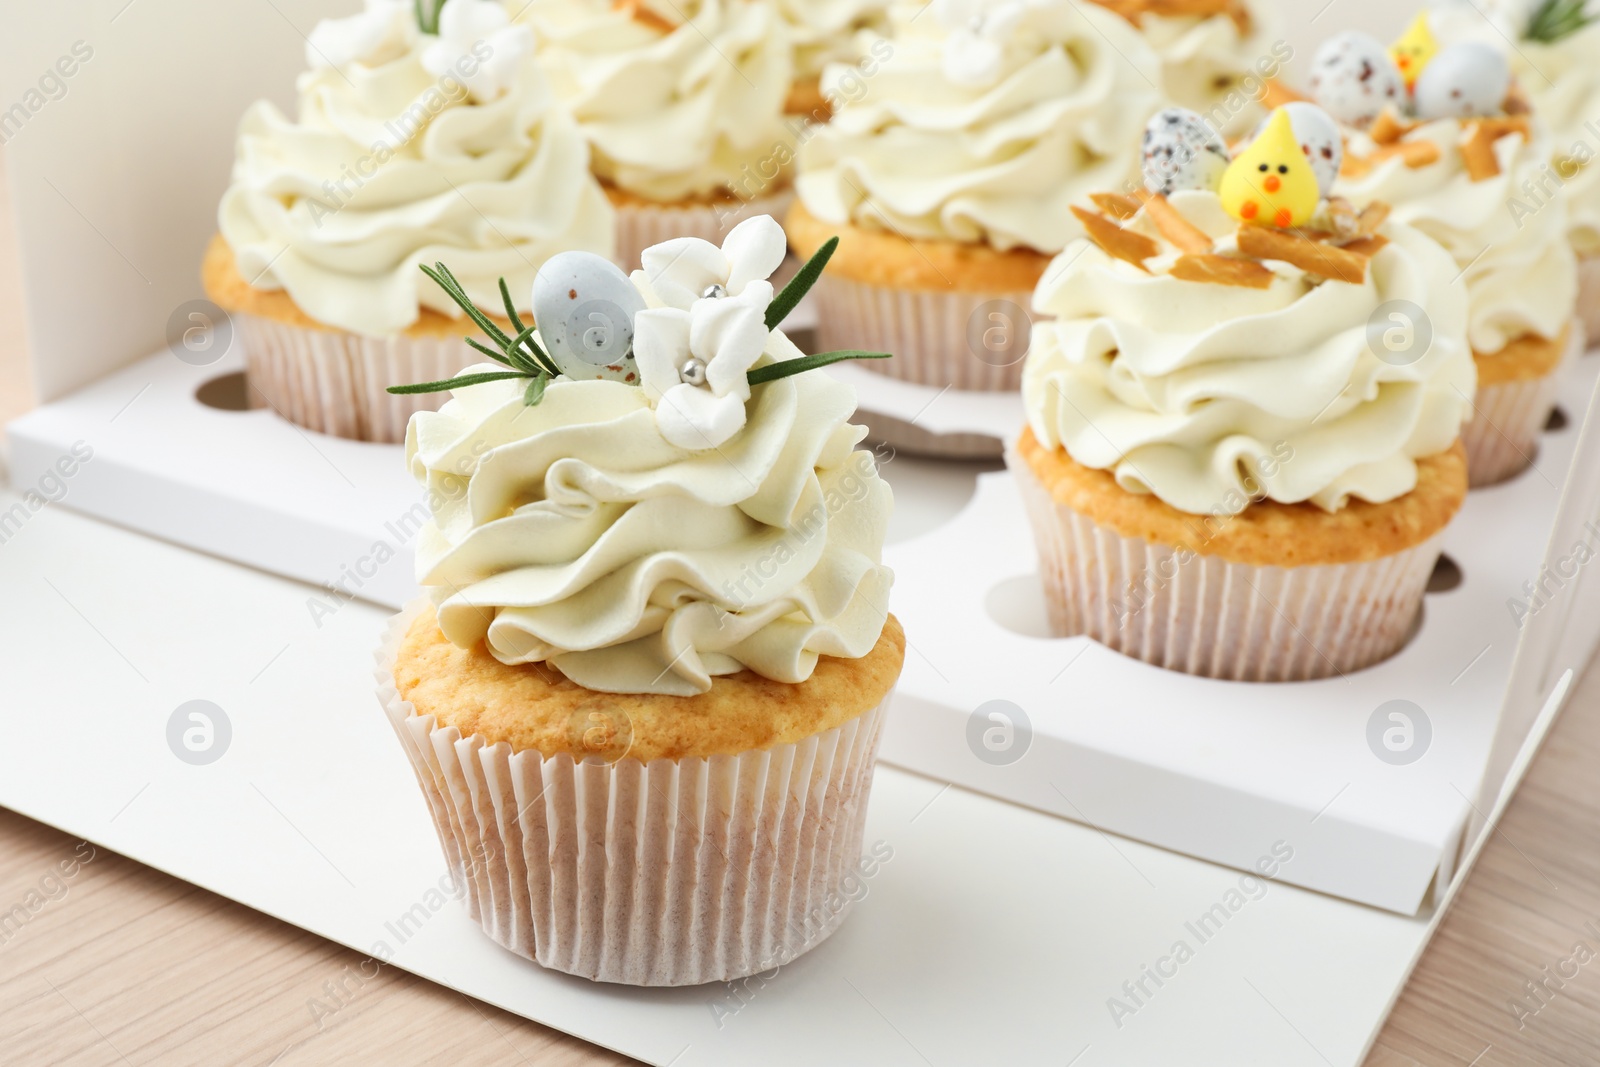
(683, 105)
(1453, 162)
(1222, 475)
(650, 683)
(1554, 60)
(409, 147)
(952, 175)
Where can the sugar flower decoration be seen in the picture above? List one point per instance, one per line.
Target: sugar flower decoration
(478, 45)
(384, 30)
(695, 352)
(979, 30)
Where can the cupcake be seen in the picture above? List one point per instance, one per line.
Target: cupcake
(1217, 56)
(644, 697)
(683, 107)
(1554, 61)
(1449, 147)
(411, 145)
(951, 177)
(1222, 476)
(823, 32)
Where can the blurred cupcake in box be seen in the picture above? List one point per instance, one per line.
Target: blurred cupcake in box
(413, 143)
(682, 104)
(1441, 135)
(824, 32)
(1217, 56)
(951, 177)
(1556, 60)
(1222, 474)
(648, 686)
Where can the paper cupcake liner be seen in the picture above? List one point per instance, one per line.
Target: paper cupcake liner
(1589, 295)
(1208, 616)
(640, 225)
(938, 338)
(675, 872)
(333, 382)
(1502, 436)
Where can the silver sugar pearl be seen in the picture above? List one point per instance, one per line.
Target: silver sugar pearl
(693, 372)
(714, 291)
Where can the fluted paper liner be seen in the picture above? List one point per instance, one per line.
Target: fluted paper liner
(675, 872)
(1589, 295)
(333, 382)
(1212, 617)
(641, 225)
(929, 333)
(1502, 435)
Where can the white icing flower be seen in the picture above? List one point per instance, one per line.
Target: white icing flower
(478, 45)
(693, 353)
(383, 31)
(979, 30)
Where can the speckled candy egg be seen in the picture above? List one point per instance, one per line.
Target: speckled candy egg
(1319, 139)
(1182, 152)
(1352, 78)
(584, 308)
(1464, 80)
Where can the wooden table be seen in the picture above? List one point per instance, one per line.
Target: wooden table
(124, 965)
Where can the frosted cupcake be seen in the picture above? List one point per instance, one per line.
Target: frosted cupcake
(1222, 476)
(824, 32)
(1452, 154)
(951, 178)
(682, 104)
(648, 686)
(409, 146)
(1554, 61)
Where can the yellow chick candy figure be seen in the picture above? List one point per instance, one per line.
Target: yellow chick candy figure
(1271, 183)
(1414, 50)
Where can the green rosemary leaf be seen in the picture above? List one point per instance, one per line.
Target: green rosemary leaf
(456, 383)
(1555, 19)
(492, 354)
(540, 362)
(800, 284)
(535, 391)
(445, 280)
(790, 367)
(511, 309)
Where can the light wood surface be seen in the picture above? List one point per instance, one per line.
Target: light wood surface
(125, 965)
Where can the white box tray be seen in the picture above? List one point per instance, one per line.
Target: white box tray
(1213, 769)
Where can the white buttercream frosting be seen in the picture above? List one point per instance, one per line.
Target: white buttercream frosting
(1209, 395)
(1516, 263)
(572, 533)
(827, 31)
(678, 100)
(389, 166)
(986, 121)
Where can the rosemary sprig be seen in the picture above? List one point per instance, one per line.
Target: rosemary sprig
(525, 359)
(800, 284)
(790, 367)
(1555, 19)
(425, 22)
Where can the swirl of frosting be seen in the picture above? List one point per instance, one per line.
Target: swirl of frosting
(388, 167)
(825, 31)
(572, 533)
(1209, 395)
(1562, 79)
(678, 100)
(1520, 273)
(985, 128)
